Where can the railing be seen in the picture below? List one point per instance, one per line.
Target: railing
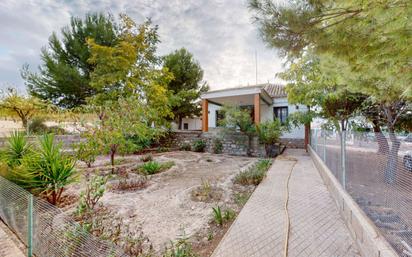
(376, 170)
(45, 229)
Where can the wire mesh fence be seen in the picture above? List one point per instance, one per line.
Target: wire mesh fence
(376, 170)
(45, 229)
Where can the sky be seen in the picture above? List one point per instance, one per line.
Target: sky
(219, 33)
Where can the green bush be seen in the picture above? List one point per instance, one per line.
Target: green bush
(153, 167)
(269, 133)
(182, 248)
(47, 171)
(254, 175)
(185, 147)
(17, 147)
(199, 146)
(37, 126)
(87, 152)
(217, 146)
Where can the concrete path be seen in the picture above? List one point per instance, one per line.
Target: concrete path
(8, 245)
(316, 227)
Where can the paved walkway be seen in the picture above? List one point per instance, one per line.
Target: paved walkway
(8, 247)
(316, 227)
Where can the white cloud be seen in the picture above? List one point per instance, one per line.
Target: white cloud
(218, 32)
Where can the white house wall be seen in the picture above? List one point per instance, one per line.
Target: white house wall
(212, 114)
(298, 132)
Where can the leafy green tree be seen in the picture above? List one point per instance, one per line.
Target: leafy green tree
(369, 41)
(22, 107)
(130, 68)
(64, 76)
(236, 118)
(186, 85)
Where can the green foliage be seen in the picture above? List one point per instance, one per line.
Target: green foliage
(269, 132)
(185, 147)
(16, 149)
(236, 118)
(220, 217)
(182, 248)
(153, 167)
(199, 146)
(217, 215)
(217, 146)
(87, 151)
(37, 126)
(186, 85)
(242, 198)
(47, 171)
(89, 198)
(255, 174)
(22, 107)
(64, 76)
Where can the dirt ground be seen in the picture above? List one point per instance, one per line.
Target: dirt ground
(164, 210)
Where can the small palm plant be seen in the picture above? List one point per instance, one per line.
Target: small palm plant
(16, 149)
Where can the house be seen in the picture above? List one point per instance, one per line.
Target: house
(265, 102)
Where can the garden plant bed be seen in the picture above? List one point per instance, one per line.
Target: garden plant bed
(168, 207)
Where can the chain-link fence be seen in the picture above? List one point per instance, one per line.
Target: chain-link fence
(376, 170)
(45, 229)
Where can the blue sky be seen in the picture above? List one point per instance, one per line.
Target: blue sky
(219, 33)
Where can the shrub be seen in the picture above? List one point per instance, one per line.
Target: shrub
(199, 145)
(269, 133)
(163, 149)
(87, 152)
(37, 126)
(254, 175)
(47, 171)
(153, 167)
(147, 158)
(89, 198)
(185, 147)
(17, 147)
(217, 146)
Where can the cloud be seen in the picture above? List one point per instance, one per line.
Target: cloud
(218, 32)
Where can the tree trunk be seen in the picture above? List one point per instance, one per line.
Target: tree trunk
(383, 146)
(25, 125)
(180, 123)
(249, 147)
(392, 162)
(112, 152)
(307, 135)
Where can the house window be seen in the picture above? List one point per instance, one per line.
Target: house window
(185, 126)
(220, 115)
(281, 113)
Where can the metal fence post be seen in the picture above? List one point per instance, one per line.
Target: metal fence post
(316, 140)
(30, 227)
(324, 147)
(343, 158)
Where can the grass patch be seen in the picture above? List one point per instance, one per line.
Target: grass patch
(255, 174)
(222, 217)
(206, 193)
(242, 198)
(153, 167)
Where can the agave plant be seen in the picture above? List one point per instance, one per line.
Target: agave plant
(16, 149)
(55, 169)
(46, 171)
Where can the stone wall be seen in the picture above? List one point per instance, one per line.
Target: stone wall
(66, 140)
(293, 142)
